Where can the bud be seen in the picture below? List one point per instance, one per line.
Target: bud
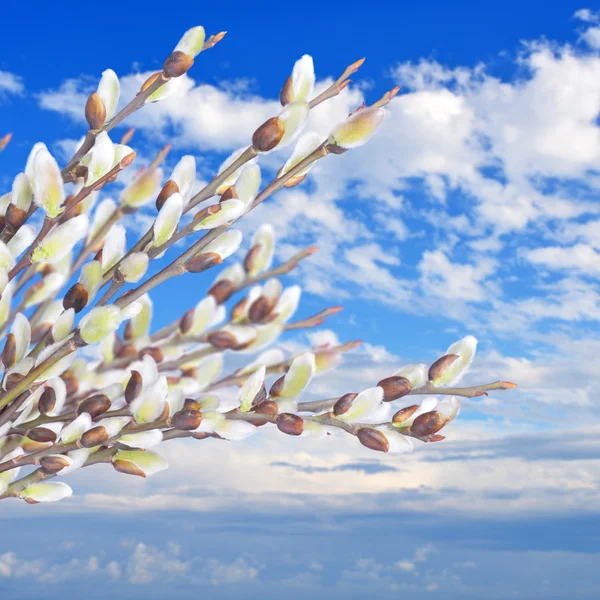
(139, 462)
(133, 267)
(290, 424)
(366, 407)
(142, 189)
(109, 91)
(344, 404)
(357, 129)
(202, 262)
(438, 368)
(186, 419)
(127, 136)
(260, 259)
(98, 323)
(259, 309)
(47, 401)
(13, 380)
(464, 350)
(102, 159)
(54, 463)
(63, 326)
(298, 376)
(222, 290)
(10, 351)
(177, 64)
(187, 321)
(394, 387)
(238, 312)
(373, 439)
(228, 211)
(95, 111)
(49, 491)
(303, 79)
(252, 392)
(404, 414)
(94, 405)
(61, 240)
(268, 135)
(427, 424)
(127, 467)
(15, 216)
(226, 243)
(134, 387)
(21, 194)
(41, 434)
(167, 191)
(305, 146)
(192, 41)
(4, 141)
(95, 436)
(150, 405)
(223, 340)
(167, 220)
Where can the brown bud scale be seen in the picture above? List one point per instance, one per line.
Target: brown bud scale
(133, 387)
(186, 419)
(76, 298)
(222, 290)
(94, 437)
(290, 424)
(222, 340)
(404, 414)
(394, 387)
(202, 262)
(9, 354)
(41, 434)
(47, 401)
(127, 467)
(259, 309)
(53, 464)
(277, 387)
(167, 191)
(286, 96)
(268, 135)
(95, 111)
(94, 405)
(344, 404)
(373, 439)
(177, 64)
(440, 365)
(15, 216)
(427, 424)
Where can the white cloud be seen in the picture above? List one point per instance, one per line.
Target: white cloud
(449, 280)
(10, 84)
(579, 258)
(145, 564)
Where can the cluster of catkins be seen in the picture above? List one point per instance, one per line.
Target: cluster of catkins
(86, 381)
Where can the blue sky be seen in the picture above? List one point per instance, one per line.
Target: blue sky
(475, 210)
